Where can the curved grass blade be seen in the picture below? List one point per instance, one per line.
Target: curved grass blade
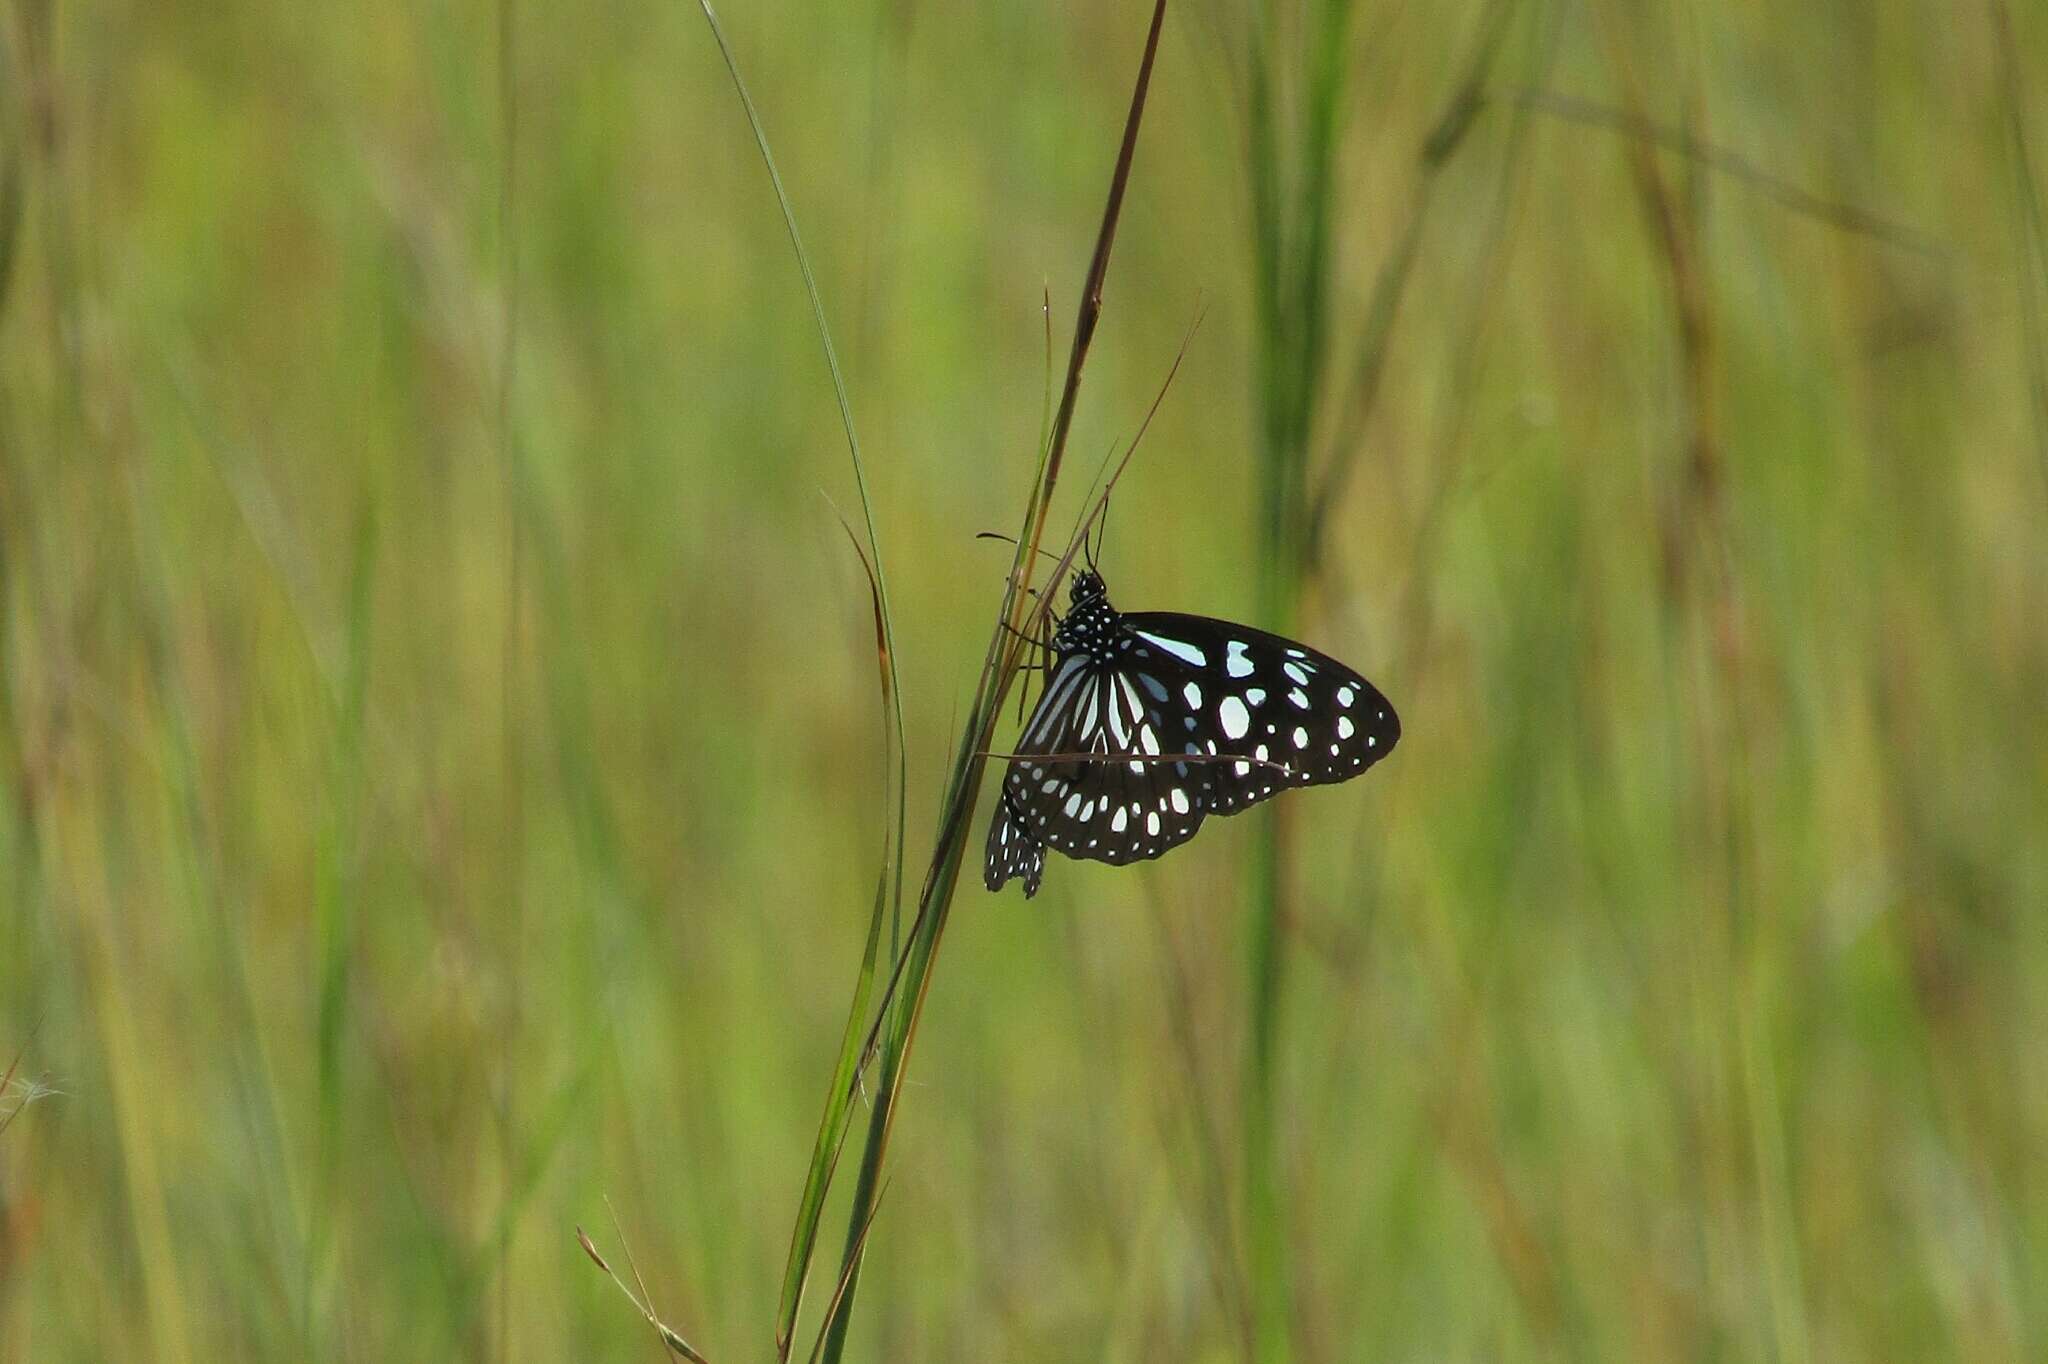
(860, 474)
(803, 261)
(889, 890)
(833, 1126)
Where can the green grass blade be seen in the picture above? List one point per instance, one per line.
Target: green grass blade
(833, 1126)
(860, 476)
(836, 1310)
(890, 890)
(832, 1130)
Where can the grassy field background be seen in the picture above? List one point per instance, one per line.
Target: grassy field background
(437, 719)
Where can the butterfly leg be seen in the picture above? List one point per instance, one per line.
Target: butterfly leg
(1044, 648)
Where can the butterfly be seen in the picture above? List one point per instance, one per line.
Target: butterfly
(1150, 722)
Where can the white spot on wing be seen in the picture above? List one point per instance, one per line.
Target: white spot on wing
(1236, 719)
(1117, 820)
(1344, 728)
(1131, 695)
(1180, 800)
(1300, 737)
(1152, 825)
(1193, 694)
(1294, 671)
(1235, 663)
(1055, 700)
(1187, 653)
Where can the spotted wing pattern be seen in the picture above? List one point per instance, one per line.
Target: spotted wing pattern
(1013, 848)
(1096, 782)
(1294, 717)
(1151, 722)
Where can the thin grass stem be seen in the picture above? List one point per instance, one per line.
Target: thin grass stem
(998, 672)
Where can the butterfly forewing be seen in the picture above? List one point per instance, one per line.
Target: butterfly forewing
(1286, 714)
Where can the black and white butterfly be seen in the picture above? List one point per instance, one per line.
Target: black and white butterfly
(1152, 721)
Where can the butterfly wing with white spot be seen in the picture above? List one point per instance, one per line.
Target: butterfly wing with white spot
(1013, 849)
(1094, 779)
(1290, 715)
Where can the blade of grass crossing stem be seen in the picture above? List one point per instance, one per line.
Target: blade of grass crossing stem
(838, 1302)
(860, 477)
(672, 1342)
(999, 670)
(832, 1128)
(7, 1115)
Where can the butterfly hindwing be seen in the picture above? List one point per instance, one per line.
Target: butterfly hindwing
(1092, 779)
(1013, 849)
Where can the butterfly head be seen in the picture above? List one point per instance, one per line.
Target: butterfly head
(1090, 622)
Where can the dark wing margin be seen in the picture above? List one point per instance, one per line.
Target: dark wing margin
(1291, 715)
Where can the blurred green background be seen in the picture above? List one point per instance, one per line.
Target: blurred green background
(434, 804)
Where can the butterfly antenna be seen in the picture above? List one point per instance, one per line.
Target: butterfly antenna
(1116, 475)
(1010, 540)
(1038, 643)
(1030, 639)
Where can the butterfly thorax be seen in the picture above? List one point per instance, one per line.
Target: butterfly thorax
(1090, 625)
